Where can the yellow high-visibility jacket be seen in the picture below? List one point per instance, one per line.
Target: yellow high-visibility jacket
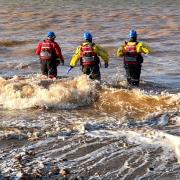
(140, 48)
(97, 49)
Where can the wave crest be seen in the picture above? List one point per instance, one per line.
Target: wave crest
(22, 93)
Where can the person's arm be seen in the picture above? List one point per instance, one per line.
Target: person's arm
(102, 53)
(120, 51)
(38, 49)
(143, 48)
(76, 57)
(58, 52)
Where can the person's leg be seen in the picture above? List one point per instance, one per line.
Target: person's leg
(92, 71)
(135, 74)
(86, 70)
(128, 73)
(52, 69)
(44, 68)
(95, 72)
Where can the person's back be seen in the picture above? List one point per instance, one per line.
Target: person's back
(131, 52)
(88, 53)
(50, 55)
(46, 50)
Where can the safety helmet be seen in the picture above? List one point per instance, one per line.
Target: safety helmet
(87, 36)
(51, 35)
(132, 34)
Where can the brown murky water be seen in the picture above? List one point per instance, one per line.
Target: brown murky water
(97, 131)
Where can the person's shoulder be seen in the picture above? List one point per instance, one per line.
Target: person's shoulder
(97, 47)
(140, 43)
(123, 43)
(79, 46)
(45, 40)
(56, 44)
(96, 44)
(40, 44)
(78, 49)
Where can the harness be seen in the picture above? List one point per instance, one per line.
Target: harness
(47, 49)
(88, 56)
(131, 54)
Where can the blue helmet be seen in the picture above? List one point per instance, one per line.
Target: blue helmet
(133, 34)
(51, 35)
(87, 36)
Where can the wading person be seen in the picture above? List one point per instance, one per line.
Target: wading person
(88, 53)
(50, 55)
(132, 51)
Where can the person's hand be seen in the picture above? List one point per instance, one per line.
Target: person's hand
(57, 62)
(69, 69)
(106, 65)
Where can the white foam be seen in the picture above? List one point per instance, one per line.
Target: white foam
(27, 93)
(145, 137)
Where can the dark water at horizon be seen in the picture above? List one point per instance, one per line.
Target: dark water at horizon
(99, 131)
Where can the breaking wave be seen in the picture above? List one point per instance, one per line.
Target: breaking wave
(66, 93)
(22, 93)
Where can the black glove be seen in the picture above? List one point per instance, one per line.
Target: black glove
(69, 69)
(57, 62)
(106, 65)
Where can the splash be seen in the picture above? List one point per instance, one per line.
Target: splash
(38, 91)
(22, 93)
(136, 103)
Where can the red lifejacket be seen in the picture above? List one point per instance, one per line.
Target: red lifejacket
(131, 54)
(88, 56)
(47, 50)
